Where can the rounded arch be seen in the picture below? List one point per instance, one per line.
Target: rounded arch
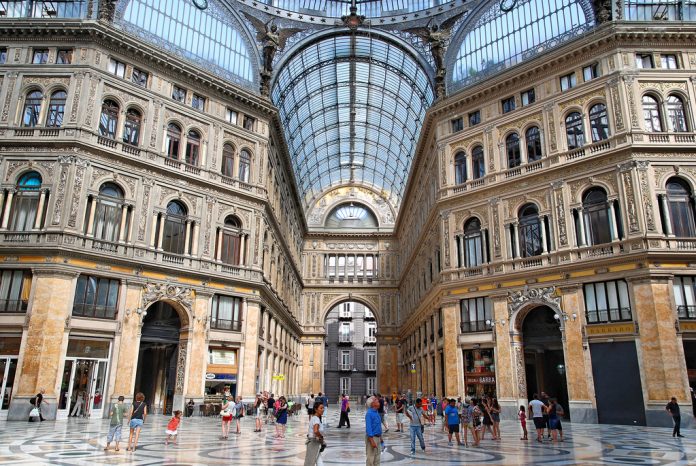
(510, 132)
(678, 181)
(175, 122)
(179, 204)
(351, 299)
(231, 144)
(245, 147)
(468, 148)
(527, 209)
(43, 174)
(112, 189)
(29, 179)
(232, 220)
(115, 99)
(130, 105)
(353, 214)
(31, 87)
(193, 128)
(594, 101)
(665, 177)
(472, 221)
(182, 311)
(531, 124)
(55, 87)
(518, 316)
(571, 110)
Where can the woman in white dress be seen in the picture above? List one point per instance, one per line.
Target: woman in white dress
(315, 437)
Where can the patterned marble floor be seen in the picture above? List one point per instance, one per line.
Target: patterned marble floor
(80, 442)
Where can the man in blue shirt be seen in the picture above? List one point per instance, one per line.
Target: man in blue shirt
(452, 415)
(373, 432)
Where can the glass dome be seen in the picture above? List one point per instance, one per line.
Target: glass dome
(368, 8)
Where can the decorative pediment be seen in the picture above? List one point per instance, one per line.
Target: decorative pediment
(544, 296)
(153, 292)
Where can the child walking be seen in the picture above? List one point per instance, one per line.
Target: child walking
(173, 427)
(523, 421)
(116, 424)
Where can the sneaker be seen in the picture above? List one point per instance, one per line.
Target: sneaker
(450, 444)
(413, 452)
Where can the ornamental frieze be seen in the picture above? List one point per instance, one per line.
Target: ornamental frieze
(582, 100)
(543, 295)
(521, 123)
(662, 86)
(45, 82)
(153, 292)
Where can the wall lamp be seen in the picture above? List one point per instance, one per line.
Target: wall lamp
(563, 315)
(491, 323)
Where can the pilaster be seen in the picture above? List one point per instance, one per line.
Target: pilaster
(249, 359)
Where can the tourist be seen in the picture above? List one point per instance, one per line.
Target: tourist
(310, 406)
(258, 412)
(399, 406)
(281, 417)
(315, 436)
(115, 424)
(79, 405)
(432, 409)
(465, 415)
(475, 420)
(226, 414)
(443, 405)
(544, 398)
(173, 427)
(345, 409)
(238, 414)
(409, 396)
(415, 415)
(485, 408)
(522, 415)
(190, 406)
(136, 419)
(536, 408)
(553, 419)
(560, 413)
(380, 411)
(270, 408)
(672, 409)
(451, 415)
(39, 401)
(495, 415)
(425, 407)
(373, 432)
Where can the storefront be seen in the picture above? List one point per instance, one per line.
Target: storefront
(84, 378)
(221, 374)
(9, 351)
(479, 372)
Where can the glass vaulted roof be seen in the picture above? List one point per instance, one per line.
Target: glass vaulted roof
(352, 107)
(369, 8)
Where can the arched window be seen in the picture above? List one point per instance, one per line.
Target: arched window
(108, 211)
(56, 109)
(244, 165)
(574, 130)
(651, 114)
(228, 160)
(174, 238)
(32, 109)
(597, 219)
(599, 123)
(231, 241)
(681, 208)
(460, 168)
(478, 165)
(512, 145)
(193, 147)
(25, 206)
(131, 128)
(473, 243)
(676, 116)
(108, 121)
(533, 139)
(530, 231)
(173, 141)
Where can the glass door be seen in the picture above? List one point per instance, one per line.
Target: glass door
(8, 369)
(96, 409)
(66, 383)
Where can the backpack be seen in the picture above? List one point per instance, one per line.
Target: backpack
(32, 400)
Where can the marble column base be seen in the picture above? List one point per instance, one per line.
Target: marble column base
(583, 411)
(20, 408)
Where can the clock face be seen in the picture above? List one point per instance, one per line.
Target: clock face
(507, 5)
(201, 4)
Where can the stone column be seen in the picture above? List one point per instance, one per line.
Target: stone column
(8, 206)
(40, 210)
(127, 357)
(612, 222)
(124, 219)
(153, 233)
(242, 249)
(45, 342)
(668, 216)
(505, 360)
(450, 348)
(663, 372)
(544, 248)
(578, 372)
(247, 384)
(90, 219)
(197, 357)
(161, 232)
(516, 239)
(581, 226)
(218, 247)
(187, 238)
(194, 245)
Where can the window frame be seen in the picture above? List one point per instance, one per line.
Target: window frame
(568, 81)
(234, 323)
(527, 97)
(593, 69)
(474, 117)
(179, 93)
(41, 54)
(604, 289)
(56, 109)
(109, 312)
(508, 104)
(116, 68)
(61, 55)
(457, 124)
(14, 297)
(479, 307)
(137, 76)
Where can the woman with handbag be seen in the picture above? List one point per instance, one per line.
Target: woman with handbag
(136, 419)
(281, 417)
(226, 414)
(238, 413)
(258, 407)
(345, 409)
(315, 437)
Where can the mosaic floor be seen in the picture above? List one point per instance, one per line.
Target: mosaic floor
(81, 442)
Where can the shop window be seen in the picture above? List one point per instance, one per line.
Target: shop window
(117, 68)
(15, 286)
(457, 124)
(56, 109)
(685, 297)
(227, 313)
(607, 302)
(222, 356)
(479, 372)
(96, 297)
(139, 77)
(527, 97)
(474, 118)
(108, 121)
(508, 104)
(64, 57)
(475, 312)
(568, 81)
(40, 57)
(590, 72)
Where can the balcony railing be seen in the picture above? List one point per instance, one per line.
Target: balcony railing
(686, 312)
(475, 326)
(13, 305)
(370, 339)
(345, 338)
(222, 324)
(345, 367)
(371, 367)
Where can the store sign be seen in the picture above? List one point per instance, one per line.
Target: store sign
(209, 376)
(413, 368)
(482, 379)
(221, 377)
(279, 377)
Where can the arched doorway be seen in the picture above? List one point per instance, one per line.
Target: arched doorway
(350, 353)
(158, 357)
(543, 355)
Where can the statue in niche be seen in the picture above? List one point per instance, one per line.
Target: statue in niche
(273, 39)
(436, 37)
